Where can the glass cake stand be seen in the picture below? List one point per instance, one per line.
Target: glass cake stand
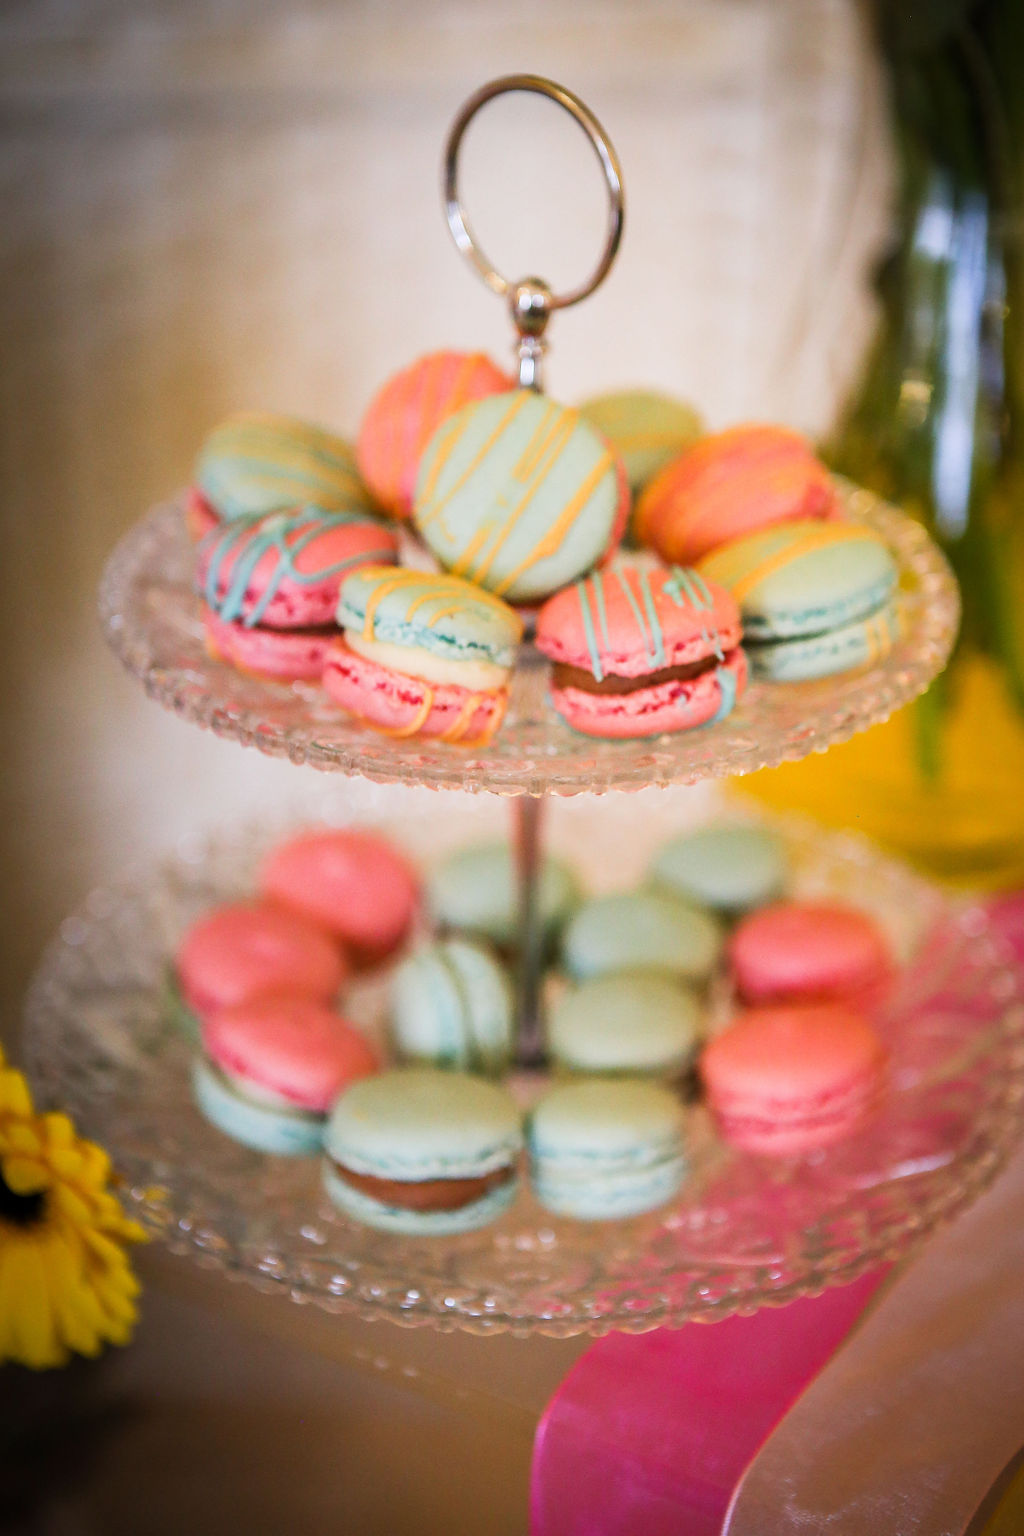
(151, 616)
(745, 1231)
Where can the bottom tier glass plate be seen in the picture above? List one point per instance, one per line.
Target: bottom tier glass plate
(745, 1232)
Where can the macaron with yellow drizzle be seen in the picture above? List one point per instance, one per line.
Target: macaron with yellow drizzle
(422, 655)
(257, 462)
(519, 495)
(404, 415)
(646, 428)
(640, 651)
(816, 598)
(730, 484)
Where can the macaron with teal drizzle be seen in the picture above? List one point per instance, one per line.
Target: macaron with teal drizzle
(271, 584)
(639, 650)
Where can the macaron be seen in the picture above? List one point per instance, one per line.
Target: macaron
(475, 890)
(815, 598)
(601, 1150)
(281, 574)
(406, 412)
(730, 484)
(422, 655)
(350, 881)
(648, 429)
(200, 517)
(451, 1006)
(637, 652)
(518, 494)
(270, 1070)
(729, 869)
(641, 930)
(637, 1023)
(810, 950)
(241, 952)
(422, 1152)
(785, 1080)
(256, 462)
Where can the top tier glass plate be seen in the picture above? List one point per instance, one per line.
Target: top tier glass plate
(151, 616)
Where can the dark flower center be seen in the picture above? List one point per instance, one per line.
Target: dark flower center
(21, 1210)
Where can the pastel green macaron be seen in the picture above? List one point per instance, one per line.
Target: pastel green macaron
(447, 618)
(518, 494)
(601, 1150)
(647, 429)
(422, 1152)
(641, 930)
(475, 890)
(257, 462)
(858, 644)
(640, 1023)
(730, 869)
(451, 1005)
(816, 596)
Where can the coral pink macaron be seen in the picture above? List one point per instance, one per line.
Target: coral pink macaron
(238, 953)
(353, 883)
(271, 584)
(271, 1069)
(298, 1049)
(404, 415)
(637, 652)
(820, 951)
(731, 484)
(786, 1080)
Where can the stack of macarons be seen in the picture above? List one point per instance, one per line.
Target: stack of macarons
(503, 501)
(258, 986)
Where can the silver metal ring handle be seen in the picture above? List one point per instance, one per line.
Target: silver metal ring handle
(531, 300)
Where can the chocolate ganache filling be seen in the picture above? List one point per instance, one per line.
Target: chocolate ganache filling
(563, 676)
(424, 1194)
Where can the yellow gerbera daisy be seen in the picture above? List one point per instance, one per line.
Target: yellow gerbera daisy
(65, 1280)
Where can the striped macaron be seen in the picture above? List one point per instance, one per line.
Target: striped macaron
(258, 462)
(728, 485)
(404, 415)
(518, 494)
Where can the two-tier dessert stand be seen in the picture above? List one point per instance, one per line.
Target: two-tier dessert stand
(745, 1232)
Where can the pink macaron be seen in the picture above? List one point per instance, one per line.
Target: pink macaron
(293, 1047)
(810, 951)
(399, 705)
(730, 484)
(238, 953)
(353, 883)
(638, 651)
(404, 415)
(270, 585)
(786, 1080)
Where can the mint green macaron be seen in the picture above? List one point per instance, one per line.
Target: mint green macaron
(518, 494)
(647, 429)
(601, 1150)
(475, 890)
(451, 1005)
(730, 869)
(641, 930)
(640, 1023)
(394, 1141)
